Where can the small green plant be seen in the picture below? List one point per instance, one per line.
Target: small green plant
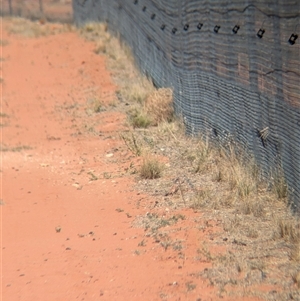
(92, 176)
(166, 244)
(140, 120)
(206, 253)
(94, 106)
(142, 243)
(137, 252)
(132, 143)
(190, 286)
(151, 168)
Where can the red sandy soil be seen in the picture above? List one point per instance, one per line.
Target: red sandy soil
(64, 236)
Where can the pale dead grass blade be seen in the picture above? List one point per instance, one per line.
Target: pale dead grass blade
(159, 104)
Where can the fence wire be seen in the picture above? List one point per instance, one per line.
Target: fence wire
(234, 67)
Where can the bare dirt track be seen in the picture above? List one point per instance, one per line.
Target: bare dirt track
(68, 196)
(63, 237)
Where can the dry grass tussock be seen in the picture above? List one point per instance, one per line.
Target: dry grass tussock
(260, 233)
(158, 105)
(151, 168)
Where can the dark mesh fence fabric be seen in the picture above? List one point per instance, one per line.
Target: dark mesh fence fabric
(234, 67)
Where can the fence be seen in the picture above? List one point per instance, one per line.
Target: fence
(52, 10)
(234, 67)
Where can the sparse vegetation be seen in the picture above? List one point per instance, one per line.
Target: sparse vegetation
(190, 286)
(95, 105)
(159, 105)
(224, 183)
(27, 28)
(131, 142)
(151, 168)
(139, 119)
(19, 148)
(3, 42)
(93, 177)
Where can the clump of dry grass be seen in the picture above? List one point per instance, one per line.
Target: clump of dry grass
(279, 185)
(27, 28)
(159, 104)
(95, 105)
(288, 229)
(139, 119)
(95, 31)
(201, 199)
(151, 168)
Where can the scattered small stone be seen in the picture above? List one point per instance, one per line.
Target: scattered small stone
(240, 243)
(57, 229)
(68, 249)
(77, 185)
(109, 155)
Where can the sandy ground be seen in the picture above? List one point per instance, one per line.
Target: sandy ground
(67, 224)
